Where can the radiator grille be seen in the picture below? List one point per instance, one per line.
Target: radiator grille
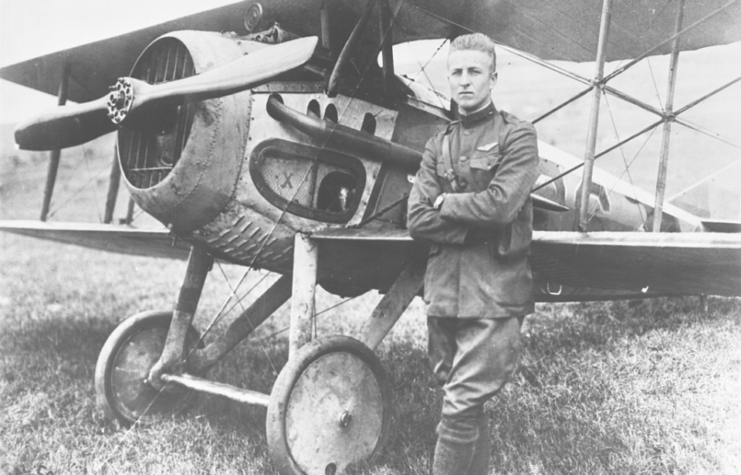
(148, 157)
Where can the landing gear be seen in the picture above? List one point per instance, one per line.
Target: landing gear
(330, 408)
(328, 411)
(121, 386)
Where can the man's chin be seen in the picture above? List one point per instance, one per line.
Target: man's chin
(467, 104)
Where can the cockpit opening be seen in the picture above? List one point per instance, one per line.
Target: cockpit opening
(314, 183)
(336, 192)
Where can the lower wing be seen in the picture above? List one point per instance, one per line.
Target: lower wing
(677, 263)
(665, 263)
(106, 237)
(659, 263)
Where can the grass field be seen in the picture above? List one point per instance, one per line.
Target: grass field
(630, 387)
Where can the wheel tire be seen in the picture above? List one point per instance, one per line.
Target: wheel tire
(329, 409)
(124, 363)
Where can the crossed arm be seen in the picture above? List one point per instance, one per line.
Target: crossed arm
(491, 208)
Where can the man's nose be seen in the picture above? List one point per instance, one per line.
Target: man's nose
(465, 80)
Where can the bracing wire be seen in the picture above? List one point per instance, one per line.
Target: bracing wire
(625, 162)
(637, 154)
(656, 87)
(138, 213)
(58, 208)
(423, 70)
(95, 192)
(220, 313)
(285, 329)
(427, 63)
(239, 302)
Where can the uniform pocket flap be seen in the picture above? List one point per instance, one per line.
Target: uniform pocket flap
(486, 162)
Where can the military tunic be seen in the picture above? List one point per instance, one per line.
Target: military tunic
(480, 238)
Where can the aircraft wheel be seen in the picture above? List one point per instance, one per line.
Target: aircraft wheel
(123, 366)
(330, 408)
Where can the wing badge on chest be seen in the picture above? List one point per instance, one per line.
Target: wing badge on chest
(487, 147)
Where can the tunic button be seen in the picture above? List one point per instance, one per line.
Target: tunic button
(463, 158)
(467, 132)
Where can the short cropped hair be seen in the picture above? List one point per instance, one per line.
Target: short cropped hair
(478, 42)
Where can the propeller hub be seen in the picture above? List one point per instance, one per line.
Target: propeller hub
(120, 100)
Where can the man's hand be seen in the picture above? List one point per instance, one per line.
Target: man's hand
(439, 201)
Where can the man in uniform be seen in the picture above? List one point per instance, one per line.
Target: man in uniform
(471, 202)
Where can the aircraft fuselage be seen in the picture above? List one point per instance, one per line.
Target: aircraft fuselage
(224, 174)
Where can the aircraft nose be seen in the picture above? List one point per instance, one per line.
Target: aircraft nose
(185, 173)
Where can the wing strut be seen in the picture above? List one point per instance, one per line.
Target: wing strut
(347, 51)
(56, 154)
(114, 181)
(586, 185)
(666, 133)
(387, 45)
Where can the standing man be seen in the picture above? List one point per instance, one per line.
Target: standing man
(471, 202)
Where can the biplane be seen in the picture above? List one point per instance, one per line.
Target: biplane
(269, 135)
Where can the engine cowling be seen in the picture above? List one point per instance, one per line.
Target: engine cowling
(181, 162)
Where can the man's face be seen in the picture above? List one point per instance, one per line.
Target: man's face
(471, 78)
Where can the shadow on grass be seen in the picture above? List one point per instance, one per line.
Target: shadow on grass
(51, 348)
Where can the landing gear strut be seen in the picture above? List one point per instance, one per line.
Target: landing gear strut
(330, 408)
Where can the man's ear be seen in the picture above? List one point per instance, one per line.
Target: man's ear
(493, 79)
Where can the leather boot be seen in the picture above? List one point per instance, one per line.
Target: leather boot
(482, 453)
(455, 449)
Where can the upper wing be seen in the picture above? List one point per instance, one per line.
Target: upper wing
(668, 263)
(569, 29)
(106, 237)
(563, 30)
(93, 67)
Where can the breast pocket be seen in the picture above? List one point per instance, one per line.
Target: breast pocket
(483, 169)
(486, 162)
